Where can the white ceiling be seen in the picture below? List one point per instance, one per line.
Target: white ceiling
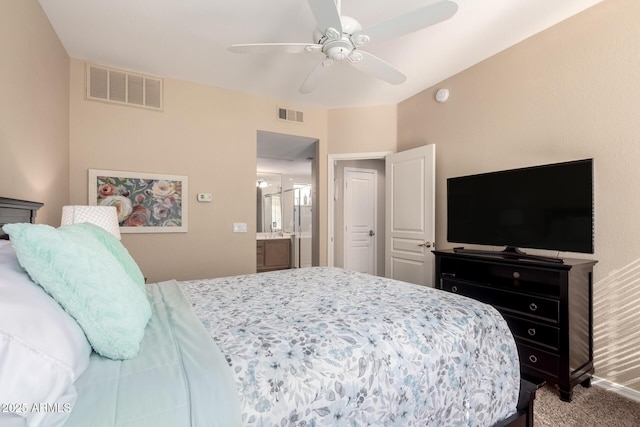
(189, 40)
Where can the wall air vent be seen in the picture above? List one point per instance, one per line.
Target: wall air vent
(290, 115)
(123, 87)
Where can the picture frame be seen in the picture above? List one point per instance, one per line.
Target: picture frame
(146, 202)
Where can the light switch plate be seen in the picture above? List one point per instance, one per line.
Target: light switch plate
(239, 227)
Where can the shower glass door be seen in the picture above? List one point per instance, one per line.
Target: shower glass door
(297, 222)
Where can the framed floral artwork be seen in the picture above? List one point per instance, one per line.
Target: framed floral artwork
(146, 202)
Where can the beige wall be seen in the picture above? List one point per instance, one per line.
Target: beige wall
(206, 133)
(34, 109)
(363, 130)
(570, 92)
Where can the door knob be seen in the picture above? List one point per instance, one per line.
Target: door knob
(372, 233)
(425, 244)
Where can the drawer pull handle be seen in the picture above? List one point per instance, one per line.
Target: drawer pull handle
(454, 289)
(533, 306)
(516, 275)
(532, 331)
(533, 359)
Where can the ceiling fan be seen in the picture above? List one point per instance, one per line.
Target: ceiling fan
(340, 38)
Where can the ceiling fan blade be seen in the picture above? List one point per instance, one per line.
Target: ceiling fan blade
(326, 13)
(276, 48)
(409, 22)
(375, 66)
(314, 77)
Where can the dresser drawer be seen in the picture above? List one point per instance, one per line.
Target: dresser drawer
(507, 301)
(538, 360)
(506, 276)
(534, 332)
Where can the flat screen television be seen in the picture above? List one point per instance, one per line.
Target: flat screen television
(541, 207)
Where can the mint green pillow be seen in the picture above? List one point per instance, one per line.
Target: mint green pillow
(82, 275)
(118, 250)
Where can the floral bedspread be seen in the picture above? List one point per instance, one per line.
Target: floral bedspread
(328, 347)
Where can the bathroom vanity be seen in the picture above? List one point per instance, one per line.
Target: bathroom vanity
(273, 252)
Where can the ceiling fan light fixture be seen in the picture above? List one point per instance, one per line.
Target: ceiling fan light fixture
(355, 57)
(327, 62)
(338, 49)
(337, 53)
(332, 34)
(360, 39)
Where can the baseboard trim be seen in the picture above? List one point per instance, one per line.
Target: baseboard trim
(617, 388)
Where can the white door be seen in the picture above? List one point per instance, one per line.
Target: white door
(410, 218)
(360, 202)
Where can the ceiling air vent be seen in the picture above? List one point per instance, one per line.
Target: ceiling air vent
(122, 87)
(290, 115)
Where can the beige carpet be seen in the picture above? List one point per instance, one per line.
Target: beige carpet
(592, 406)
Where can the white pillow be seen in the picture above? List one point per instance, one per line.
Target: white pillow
(42, 349)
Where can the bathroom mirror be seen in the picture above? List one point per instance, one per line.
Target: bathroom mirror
(269, 202)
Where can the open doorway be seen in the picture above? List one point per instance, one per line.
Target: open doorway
(409, 200)
(286, 211)
(338, 242)
(409, 215)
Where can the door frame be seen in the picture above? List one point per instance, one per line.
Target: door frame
(331, 191)
(346, 206)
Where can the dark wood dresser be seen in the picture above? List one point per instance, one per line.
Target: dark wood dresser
(548, 306)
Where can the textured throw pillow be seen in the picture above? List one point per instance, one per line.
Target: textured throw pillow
(79, 272)
(42, 349)
(118, 250)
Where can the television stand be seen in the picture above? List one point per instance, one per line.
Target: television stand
(510, 252)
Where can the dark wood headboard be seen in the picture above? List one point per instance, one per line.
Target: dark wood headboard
(13, 210)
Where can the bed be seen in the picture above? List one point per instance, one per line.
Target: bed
(307, 347)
